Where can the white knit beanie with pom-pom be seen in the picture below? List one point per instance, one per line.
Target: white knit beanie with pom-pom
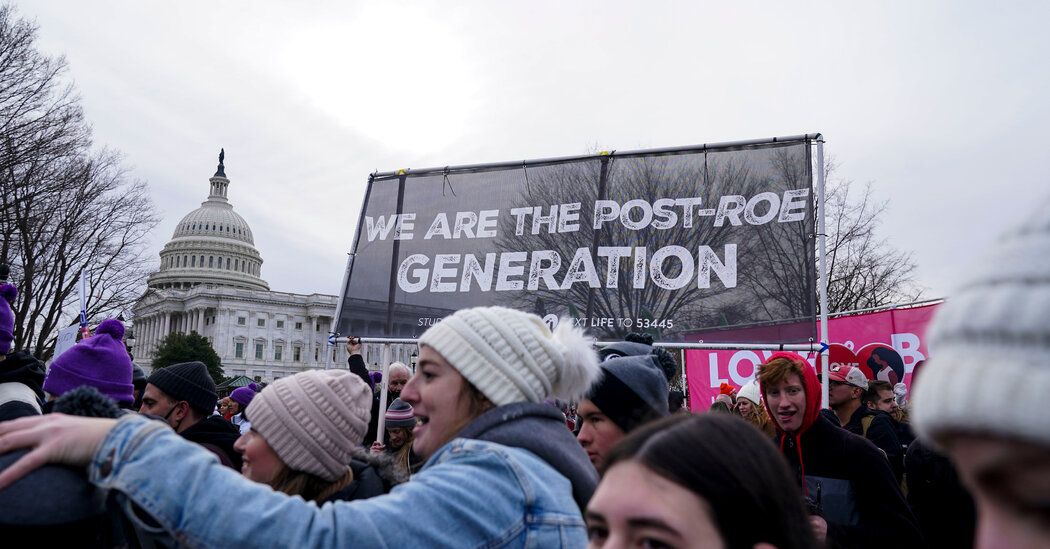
(511, 356)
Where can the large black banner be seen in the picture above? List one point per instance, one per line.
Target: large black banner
(671, 242)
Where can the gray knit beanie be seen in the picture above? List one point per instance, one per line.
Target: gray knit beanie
(314, 420)
(987, 371)
(511, 356)
(633, 391)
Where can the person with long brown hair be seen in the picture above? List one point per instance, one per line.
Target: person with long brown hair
(697, 481)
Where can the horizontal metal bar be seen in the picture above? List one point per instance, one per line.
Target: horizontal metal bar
(733, 346)
(893, 307)
(344, 339)
(559, 159)
(668, 345)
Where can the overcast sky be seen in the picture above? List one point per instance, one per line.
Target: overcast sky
(942, 105)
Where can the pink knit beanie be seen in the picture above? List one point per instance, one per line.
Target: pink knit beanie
(314, 420)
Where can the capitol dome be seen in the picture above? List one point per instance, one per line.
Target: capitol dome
(211, 245)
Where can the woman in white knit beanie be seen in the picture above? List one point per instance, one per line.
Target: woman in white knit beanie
(502, 470)
(305, 438)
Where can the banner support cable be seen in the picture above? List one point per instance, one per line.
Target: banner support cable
(603, 183)
(394, 259)
(334, 331)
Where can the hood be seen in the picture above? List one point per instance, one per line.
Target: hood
(52, 496)
(812, 387)
(85, 401)
(216, 431)
(809, 417)
(623, 348)
(382, 464)
(540, 429)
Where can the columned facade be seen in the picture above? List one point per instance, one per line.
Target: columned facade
(210, 282)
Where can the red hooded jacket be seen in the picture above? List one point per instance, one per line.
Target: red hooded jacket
(849, 479)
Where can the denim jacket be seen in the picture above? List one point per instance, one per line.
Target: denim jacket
(470, 493)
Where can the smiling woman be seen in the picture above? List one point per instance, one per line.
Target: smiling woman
(502, 470)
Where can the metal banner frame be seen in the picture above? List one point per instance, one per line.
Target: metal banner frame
(816, 140)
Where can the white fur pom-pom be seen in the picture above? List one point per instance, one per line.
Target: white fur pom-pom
(580, 370)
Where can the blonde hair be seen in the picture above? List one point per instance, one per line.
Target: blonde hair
(402, 459)
(758, 417)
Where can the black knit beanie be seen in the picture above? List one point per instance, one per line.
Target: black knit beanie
(187, 381)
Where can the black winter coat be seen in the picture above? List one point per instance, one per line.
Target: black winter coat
(942, 505)
(852, 485)
(217, 436)
(882, 433)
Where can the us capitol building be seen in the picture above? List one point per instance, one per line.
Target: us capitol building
(210, 282)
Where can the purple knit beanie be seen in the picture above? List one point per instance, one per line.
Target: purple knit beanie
(7, 317)
(244, 395)
(100, 361)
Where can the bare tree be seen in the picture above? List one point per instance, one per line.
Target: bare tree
(864, 269)
(66, 207)
(774, 292)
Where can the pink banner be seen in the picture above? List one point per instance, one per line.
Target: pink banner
(886, 344)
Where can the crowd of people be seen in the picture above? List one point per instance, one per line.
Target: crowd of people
(510, 434)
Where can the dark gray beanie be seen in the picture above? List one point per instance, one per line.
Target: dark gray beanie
(187, 381)
(633, 391)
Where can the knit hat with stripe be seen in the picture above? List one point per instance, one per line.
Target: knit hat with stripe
(399, 414)
(314, 420)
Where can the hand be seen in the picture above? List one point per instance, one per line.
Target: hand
(378, 447)
(353, 345)
(51, 438)
(820, 528)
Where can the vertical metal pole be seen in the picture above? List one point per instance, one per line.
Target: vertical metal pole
(685, 378)
(822, 259)
(381, 428)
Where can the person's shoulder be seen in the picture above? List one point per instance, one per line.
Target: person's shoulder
(212, 429)
(830, 436)
(861, 452)
(490, 469)
(49, 495)
(219, 423)
(484, 453)
(880, 417)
